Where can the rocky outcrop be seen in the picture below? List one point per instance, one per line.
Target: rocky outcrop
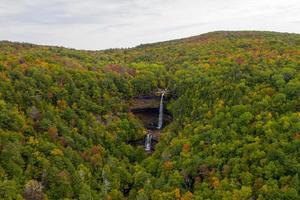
(150, 101)
(145, 102)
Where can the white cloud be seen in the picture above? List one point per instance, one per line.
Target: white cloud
(99, 24)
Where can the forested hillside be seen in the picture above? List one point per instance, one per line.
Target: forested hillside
(65, 120)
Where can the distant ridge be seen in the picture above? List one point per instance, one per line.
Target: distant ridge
(200, 37)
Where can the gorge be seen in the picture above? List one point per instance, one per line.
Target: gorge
(151, 112)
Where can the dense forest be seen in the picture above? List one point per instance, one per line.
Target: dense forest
(65, 120)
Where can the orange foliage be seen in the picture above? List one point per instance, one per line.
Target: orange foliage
(115, 68)
(186, 148)
(53, 133)
(177, 193)
(168, 165)
(95, 149)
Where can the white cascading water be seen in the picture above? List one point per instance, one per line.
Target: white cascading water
(148, 139)
(161, 111)
(148, 142)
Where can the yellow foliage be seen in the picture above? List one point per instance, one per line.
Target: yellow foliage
(244, 193)
(177, 193)
(32, 140)
(75, 130)
(187, 196)
(269, 115)
(220, 103)
(141, 190)
(62, 104)
(57, 152)
(215, 182)
(208, 114)
(2, 104)
(74, 106)
(205, 66)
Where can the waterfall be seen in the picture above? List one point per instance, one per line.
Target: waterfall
(148, 141)
(161, 111)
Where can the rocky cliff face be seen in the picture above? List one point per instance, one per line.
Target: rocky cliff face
(145, 102)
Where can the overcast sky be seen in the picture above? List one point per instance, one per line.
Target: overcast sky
(100, 24)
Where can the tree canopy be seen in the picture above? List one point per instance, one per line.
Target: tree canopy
(65, 120)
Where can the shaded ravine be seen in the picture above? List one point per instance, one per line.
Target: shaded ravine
(151, 112)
